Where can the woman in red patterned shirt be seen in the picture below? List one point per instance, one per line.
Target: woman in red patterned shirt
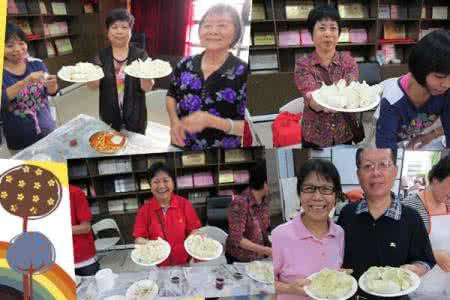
(322, 127)
(249, 220)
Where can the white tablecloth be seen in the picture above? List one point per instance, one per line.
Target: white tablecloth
(56, 146)
(195, 281)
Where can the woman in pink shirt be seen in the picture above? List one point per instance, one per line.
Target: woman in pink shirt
(311, 241)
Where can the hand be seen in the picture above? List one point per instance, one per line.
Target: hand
(443, 260)
(199, 233)
(196, 121)
(296, 287)
(178, 134)
(420, 141)
(268, 251)
(412, 268)
(146, 84)
(347, 271)
(51, 83)
(35, 77)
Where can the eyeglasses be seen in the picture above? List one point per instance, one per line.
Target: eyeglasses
(311, 189)
(370, 166)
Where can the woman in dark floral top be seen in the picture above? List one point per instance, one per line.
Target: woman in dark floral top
(320, 126)
(207, 95)
(249, 220)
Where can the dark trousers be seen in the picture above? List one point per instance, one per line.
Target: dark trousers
(89, 270)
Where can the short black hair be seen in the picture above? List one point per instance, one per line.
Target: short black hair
(12, 31)
(119, 14)
(429, 55)
(160, 167)
(258, 175)
(441, 170)
(323, 168)
(223, 9)
(360, 150)
(320, 13)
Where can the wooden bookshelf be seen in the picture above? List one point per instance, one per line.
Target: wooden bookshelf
(266, 61)
(85, 30)
(98, 177)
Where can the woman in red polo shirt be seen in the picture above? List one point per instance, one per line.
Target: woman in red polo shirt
(166, 215)
(83, 241)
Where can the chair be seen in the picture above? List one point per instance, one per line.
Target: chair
(216, 211)
(104, 244)
(219, 235)
(369, 72)
(294, 106)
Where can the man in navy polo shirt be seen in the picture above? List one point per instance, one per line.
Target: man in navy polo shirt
(379, 230)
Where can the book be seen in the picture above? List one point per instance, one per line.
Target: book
(384, 11)
(263, 38)
(394, 30)
(344, 37)
(43, 8)
(298, 9)
(63, 46)
(263, 61)
(306, 38)
(288, 38)
(226, 176)
(258, 11)
(50, 49)
(398, 11)
(358, 36)
(352, 10)
(439, 12)
(59, 8)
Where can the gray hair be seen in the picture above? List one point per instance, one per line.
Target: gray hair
(225, 9)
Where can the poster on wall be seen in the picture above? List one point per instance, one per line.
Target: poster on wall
(36, 257)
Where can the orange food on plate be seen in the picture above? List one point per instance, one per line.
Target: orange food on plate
(107, 141)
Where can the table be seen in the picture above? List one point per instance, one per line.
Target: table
(195, 281)
(56, 145)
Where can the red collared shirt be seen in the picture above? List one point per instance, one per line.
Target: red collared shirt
(178, 222)
(83, 244)
(250, 220)
(320, 128)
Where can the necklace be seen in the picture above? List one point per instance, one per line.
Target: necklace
(120, 61)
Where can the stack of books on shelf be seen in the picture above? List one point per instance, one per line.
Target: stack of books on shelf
(298, 9)
(237, 155)
(56, 28)
(198, 197)
(185, 181)
(122, 205)
(352, 10)
(144, 184)
(289, 38)
(63, 46)
(43, 8)
(50, 49)
(123, 185)
(17, 7)
(113, 166)
(258, 11)
(263, 39)
(193, 159)
(203, 179)
(59, 8)
(263, 61)
(439, 12)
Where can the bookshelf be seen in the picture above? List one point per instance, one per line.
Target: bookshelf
(61, 32)
(369, 28)
(116, 186)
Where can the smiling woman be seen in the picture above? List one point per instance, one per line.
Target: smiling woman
(122, 98)
(207, 95)
(166, 216)
(318, 186)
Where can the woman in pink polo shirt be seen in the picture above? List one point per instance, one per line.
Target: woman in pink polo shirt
(311, 241)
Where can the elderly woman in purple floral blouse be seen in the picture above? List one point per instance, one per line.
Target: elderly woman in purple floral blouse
(207, 95)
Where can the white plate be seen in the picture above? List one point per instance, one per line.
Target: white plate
(151, 76)
(219, 250)
(415, 284)
(350, 294)
(351, 110)
(136, 260)
(142, 284)
(93, 78)
(115, 297)
(256, 277)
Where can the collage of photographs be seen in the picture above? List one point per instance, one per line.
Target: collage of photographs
(225, 149)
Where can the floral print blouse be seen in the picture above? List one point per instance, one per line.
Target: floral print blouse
(222, 94)
(250, 220)
(27, 118)
(321, 128)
